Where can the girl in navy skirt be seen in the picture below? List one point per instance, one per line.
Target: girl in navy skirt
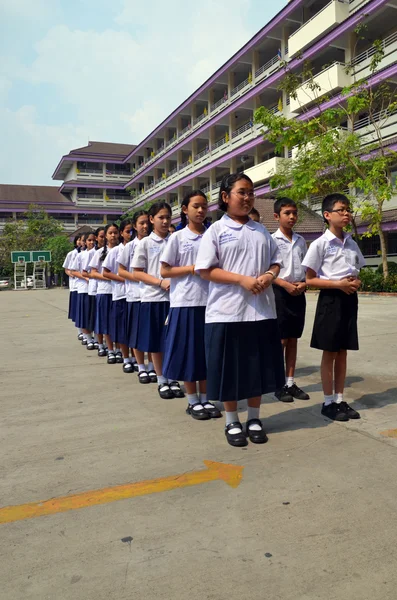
(118, 313)
(240, 259)
(72, 281)
(140, 223)
(104, 291)
(154, 295)
(92, 286)
(83, 303)
(184, 355)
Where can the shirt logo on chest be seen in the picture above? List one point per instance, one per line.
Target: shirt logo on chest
(226, 238)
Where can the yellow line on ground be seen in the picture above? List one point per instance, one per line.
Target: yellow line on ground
(392, 433)
(231, 474)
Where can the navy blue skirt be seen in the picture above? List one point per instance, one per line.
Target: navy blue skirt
(133, 310)
(184, 353)
(92, 312)
(118, 321)
(82, 311)
(244, 359)
(72, 306)
(102, 317)
(151, 327)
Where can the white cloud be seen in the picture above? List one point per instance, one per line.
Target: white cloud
(122, 82)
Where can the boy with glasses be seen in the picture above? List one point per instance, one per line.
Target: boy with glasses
(333, 264)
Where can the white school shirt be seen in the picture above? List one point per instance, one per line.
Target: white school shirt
(104, 287)
(147, 256)
(110, 262)
(292, 252)
(181, 251)
(132, 288)
(245, 249)
(332, 258)
(77, 265)
(66, 265)
(85, 264)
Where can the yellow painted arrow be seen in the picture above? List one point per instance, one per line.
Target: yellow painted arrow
(232, 474)
(391, 433)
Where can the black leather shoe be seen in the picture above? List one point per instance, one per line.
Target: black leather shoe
(143, 377)
(212, 410)
(128, 368)
(176, 389)
(283, 395)
(152, 376)
(349, 411)
(111, 358)
(256, 436)
(236, 439)
(297, 393)
(119, 358)
(165, 391)
(197, 411)
(102, 352)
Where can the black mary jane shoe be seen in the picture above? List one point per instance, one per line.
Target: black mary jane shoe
(165, 391)
(176, 389)
(136, 367)
(80, 336)
(236, 439)
(96, 345)
(256, 436)
(128, 368)
(212, 410)
(102, 352)
(197, 411)
(84, 342)
(111, 358)
(153, 376)
(119, 358)
(143, 377)
(90, 346)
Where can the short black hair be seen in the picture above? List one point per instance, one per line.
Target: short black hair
(227, 184)
(255, 212)
(281, 202)
(330, 201)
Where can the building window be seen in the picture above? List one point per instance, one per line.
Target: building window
(370, 246)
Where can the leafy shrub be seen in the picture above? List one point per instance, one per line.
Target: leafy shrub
(392, 268)
(373, 281)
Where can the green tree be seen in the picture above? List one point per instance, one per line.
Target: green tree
(59, 247)
(328, 152)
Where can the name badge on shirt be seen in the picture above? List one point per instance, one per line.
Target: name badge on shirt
(331, 250)
(225, 238)
(155, 249)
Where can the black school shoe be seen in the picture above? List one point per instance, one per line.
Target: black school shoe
(111, 358)
(152, 376)
(283, 395)
(119, 358)
(84, 342)
(349, 411)
(176, 389)
(236, 439)
(197, 411)
(165, 391)
(334, 412)
(90, 346)
(297, 393)
(128, 368)
(80, 336)
(212, 410)
(256, 436)
(143, 377)
(102, 352)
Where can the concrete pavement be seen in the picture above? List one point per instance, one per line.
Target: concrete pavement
(314, 517)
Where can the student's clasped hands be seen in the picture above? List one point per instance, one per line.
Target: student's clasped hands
(256, 285)
(349, 285)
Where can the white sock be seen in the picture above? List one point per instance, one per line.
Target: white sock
(328, 399)
(96, 338)
(253, 413)
(194, 401)
(203, 400)
(232, 417)
(161, 379)
(110, 351)
(150, 366)
(289, 381)
(339, 398)
(80, 330)
(141, 368)
(133, 360)
(126, 361)
(100, 346)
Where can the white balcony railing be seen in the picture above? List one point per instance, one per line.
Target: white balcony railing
(240, 87)
(270, 66)
(216, 105)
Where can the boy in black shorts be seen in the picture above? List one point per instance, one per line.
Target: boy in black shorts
(289, 291)
(333, 264)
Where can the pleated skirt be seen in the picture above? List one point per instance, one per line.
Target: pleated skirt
(102, 316)
(184, 353)
(244, 359)
(335, 323)
(82, 311)
(72, 306)
(133, 310)
(291, 311)
(92, 312)
(118, 321)
(151, 327)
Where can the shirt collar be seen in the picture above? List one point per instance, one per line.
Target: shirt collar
(157, 238)
(191, 235)
(234, 225)
(279, 234)
(331, 237)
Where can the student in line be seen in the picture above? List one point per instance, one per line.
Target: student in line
(244, 356)
(140, 223)
(104, 292)
(289, 291)
(184, 355)
(333, 263)
(92, 287)
(72, 281)
(254, 215)
(118, 311)
(155, 295)
(83, 303)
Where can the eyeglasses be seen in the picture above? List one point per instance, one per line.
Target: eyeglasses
(249, 195)
(342, 211)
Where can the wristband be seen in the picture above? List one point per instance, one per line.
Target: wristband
(272, 273)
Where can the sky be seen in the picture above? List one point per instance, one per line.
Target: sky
(110, 70)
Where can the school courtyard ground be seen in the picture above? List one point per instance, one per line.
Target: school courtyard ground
(311, 516)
